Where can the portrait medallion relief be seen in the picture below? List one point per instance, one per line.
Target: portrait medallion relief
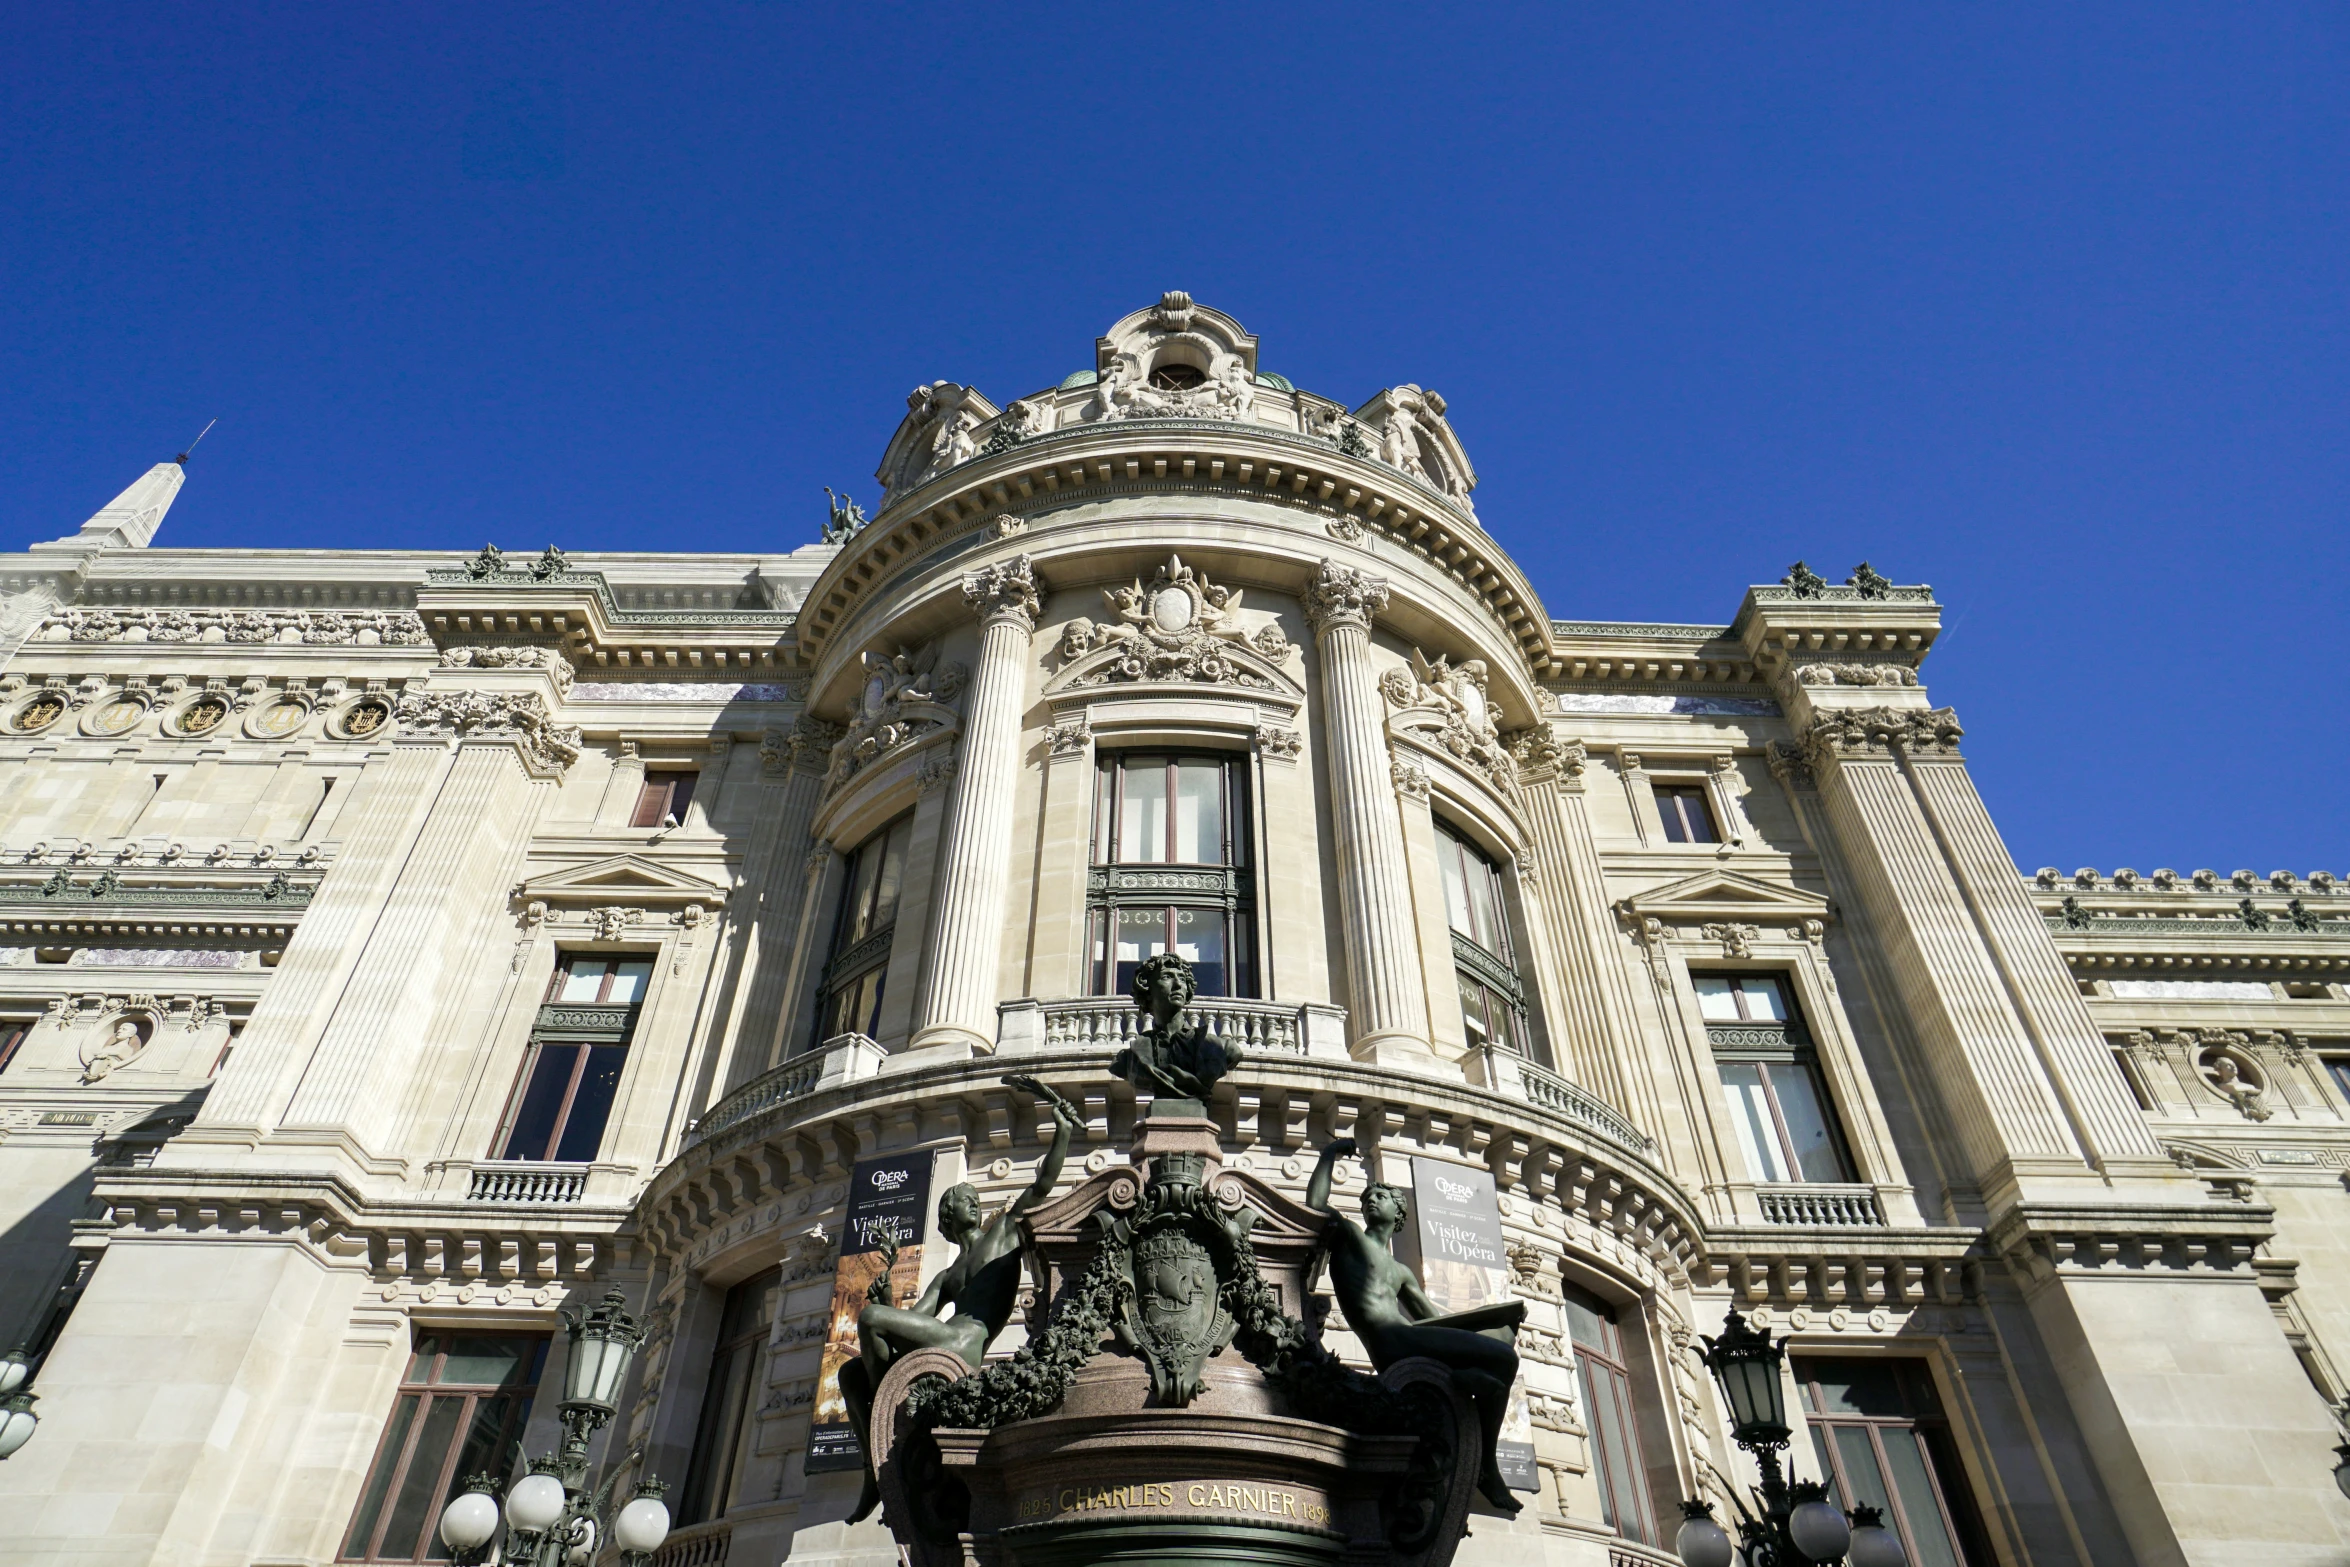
(119, 716)
(280, 719)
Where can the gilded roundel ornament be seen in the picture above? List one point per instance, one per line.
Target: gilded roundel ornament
(367, 716)
(199, 717)
(37, 714)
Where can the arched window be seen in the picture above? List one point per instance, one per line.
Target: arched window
(1170, 871)
(861, 933)
(1484, 958)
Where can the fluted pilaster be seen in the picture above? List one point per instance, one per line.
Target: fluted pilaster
(1387, 999)
(958, 1000)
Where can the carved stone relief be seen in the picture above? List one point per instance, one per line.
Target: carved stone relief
(1179, 626)
(904, 701)
(1450, 702)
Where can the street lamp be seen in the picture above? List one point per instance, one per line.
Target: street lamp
(1797, 1526)
(550, 1516)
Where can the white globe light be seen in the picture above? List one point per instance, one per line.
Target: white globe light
(642, 1525)
(1874, 1545)
(468, 1521)
(15, 1366)
(535, 1503)
(1819, 1530)
(16, 1423)
(1702, 1543)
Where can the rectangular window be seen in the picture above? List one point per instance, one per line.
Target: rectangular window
(2131, 1080)
(1686, 817)
(1878, 1434)
(728, 1399)
(13, 1032)
(871, 884)
(572, 1071)
(1779, 1107)
(1606, 1383)
(459, 1411)
(1189, 814)
(664, 796)
(2338, 1067)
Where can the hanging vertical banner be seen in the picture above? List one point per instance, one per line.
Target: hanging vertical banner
(1455, 1241)
(886, 1202)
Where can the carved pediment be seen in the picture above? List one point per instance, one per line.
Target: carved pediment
(1726, 895)
(623, 876)
(1178, 628)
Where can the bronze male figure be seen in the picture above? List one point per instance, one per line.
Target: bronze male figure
(1395, 1319)
(982, 1284)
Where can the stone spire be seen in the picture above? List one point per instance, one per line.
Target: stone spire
(129, 520)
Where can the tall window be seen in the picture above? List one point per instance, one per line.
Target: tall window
(1606, 1381)
(577, 1050)
(727, 1401)
(663, 798)
(876, 873)
(459, 1411)
(13, 1033)
(1686, 817)
(1878, 1432)
(1771, 1077)
(1170, 871)
(1493, 999)
(2338, 1067)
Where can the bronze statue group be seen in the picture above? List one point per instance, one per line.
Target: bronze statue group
(1176, 1061)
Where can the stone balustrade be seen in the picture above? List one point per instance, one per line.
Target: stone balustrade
(1821, 1206)
(1110, 1023)
(526, 1181)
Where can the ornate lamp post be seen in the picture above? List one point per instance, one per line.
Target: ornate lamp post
(550, 1515)
(1797, 1525)
(16, 1407)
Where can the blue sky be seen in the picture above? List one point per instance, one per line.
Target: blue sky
(2042, 305)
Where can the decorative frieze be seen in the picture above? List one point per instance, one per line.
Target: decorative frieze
(310, 628)
(511, 657)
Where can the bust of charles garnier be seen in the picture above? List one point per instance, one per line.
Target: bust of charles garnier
(1174, 1056)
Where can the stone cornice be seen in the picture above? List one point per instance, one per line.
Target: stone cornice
(2040, 1241)
(577, 610)
(1350, 497)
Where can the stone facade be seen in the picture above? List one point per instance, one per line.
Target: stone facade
(292, 848)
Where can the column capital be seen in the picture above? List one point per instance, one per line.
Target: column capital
(1008, 590)
(518, 718)
(1342, 596)
(1859, 732)
(807, 745)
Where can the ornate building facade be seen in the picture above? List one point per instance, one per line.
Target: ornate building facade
(399, 949)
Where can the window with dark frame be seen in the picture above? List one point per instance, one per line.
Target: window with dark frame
(1170, 871)
(459, 1410)
(2131, 1079)
(1493, 997)
(1785, 1122)
(1686, 816)
(1604, 1376)
(1878, 1433)
(862, 931)
(13, 1033)
(720, 1431)
(2338, 1068)
(577, 1049)
(666, 792)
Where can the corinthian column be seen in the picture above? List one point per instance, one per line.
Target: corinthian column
(958, 998)
(1387, 1002)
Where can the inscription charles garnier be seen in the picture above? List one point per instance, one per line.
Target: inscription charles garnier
(1194, 1496)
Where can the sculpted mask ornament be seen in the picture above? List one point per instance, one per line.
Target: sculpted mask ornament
(1178, 626)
